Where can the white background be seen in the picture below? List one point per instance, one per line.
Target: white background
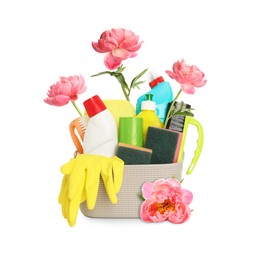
(42, 40)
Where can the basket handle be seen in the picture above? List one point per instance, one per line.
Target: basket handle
(192, 121)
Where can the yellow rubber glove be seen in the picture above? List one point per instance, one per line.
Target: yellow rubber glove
(112, 175)
(81, 182)
(92, 180)
(70, 207)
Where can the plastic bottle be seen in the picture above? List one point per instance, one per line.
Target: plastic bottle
(100, 136)
(148, 114)
(162, 96)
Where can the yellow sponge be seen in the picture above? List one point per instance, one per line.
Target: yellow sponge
(120, 108)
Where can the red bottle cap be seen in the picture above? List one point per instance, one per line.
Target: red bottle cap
(94, 105)
(156, 81)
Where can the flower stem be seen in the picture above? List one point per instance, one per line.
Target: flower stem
(74, 104)
(121, 79)
(126, 96)
(170, 109)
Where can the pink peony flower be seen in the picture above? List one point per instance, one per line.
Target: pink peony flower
(65, 90)
(165, 200)
(188, 76)
(118, 44)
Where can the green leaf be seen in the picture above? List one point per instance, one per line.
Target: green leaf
(133, 83)
(185, 113)
(140, 195)
(136, 85)
(120, 69)
(121, 79)
(102, 73)
(189, 114)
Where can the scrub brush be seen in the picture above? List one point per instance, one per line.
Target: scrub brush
(80, 125)
(177, 119)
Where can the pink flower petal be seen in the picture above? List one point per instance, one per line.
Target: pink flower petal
(118, 35)
(201, 84)
(96, 47)
(144, 211)
(111, 62)
(169, 73)
(129, 41)
(147, 189)
(159, 182)
(187, 196)
(132, 54)
(158, 217)
(110, 43)
(180, 214)
(81, 85)
(120, 54)
(59, 100)
(135, 47)
(188, 88)
(174, 182)
(107, 45)
(149, 213)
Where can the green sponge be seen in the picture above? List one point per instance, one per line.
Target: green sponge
(132, 154)
(163, 142)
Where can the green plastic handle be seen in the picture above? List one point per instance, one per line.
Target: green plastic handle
(200, 140)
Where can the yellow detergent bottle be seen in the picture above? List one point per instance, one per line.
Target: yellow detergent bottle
(148, 114)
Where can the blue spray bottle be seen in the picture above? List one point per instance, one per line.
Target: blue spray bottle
(162, 96)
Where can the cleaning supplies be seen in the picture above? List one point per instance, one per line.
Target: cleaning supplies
(132, 154)
(119, 108)
(131, 130)
(148, 114)
(164, 144)
(162, 96)
(176, 121)
(100, 136)
(79, 124)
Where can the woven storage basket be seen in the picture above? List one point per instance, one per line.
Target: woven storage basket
(128, 205)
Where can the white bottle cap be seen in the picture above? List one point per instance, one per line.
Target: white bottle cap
(148, 105)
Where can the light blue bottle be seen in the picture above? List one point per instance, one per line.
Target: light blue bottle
(162, 96)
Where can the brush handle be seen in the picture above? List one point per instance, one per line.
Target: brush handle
(75, 125)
